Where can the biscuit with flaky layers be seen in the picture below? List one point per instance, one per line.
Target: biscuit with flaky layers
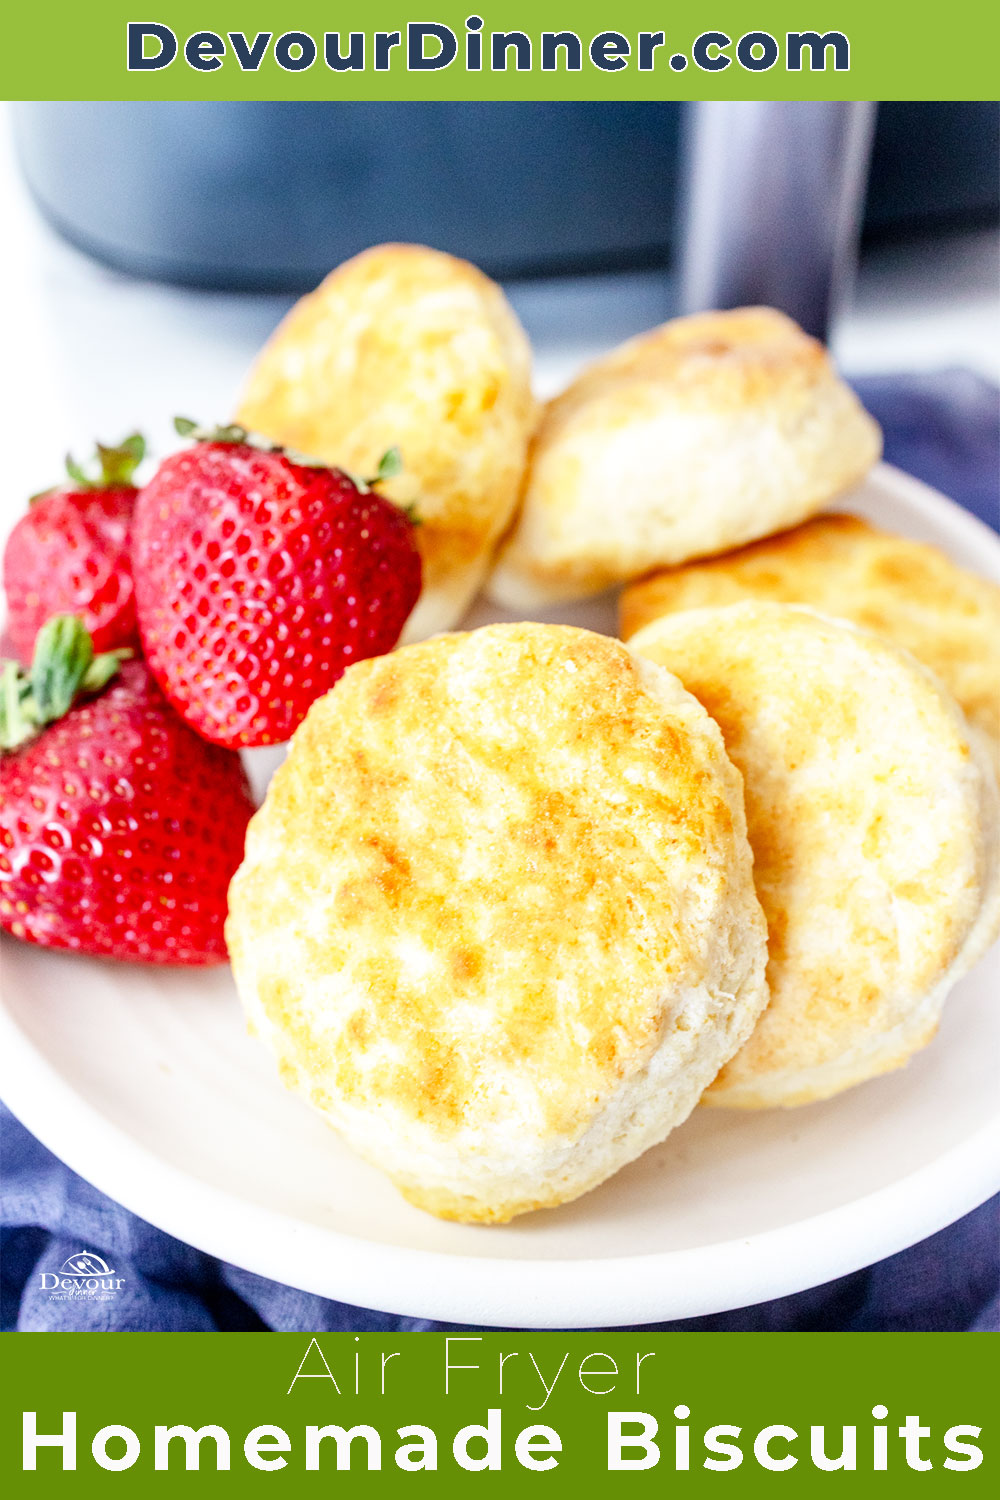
(872, 814)
(704, 434)
(496, 918)
(838, 564)
(408, 347)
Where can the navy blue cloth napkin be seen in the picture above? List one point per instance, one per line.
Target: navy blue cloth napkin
(945, 428)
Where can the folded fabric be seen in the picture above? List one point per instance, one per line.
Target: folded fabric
(49, 1215)
(944, 427)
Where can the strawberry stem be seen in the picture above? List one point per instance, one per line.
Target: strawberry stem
(62, 669)
(115, 467)
(241, 437)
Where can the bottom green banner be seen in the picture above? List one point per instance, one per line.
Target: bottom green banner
(92, 1414)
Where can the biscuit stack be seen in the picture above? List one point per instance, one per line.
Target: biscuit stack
(519, 898)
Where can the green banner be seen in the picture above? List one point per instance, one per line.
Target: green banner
(257, 49)
(84, 1414)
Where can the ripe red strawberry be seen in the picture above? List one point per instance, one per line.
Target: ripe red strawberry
(260, 578)
(70, 553)
(119, 828)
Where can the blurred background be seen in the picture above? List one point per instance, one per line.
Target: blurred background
(148, 249)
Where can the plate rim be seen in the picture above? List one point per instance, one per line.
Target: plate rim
(904, 1211)
(519, 1292)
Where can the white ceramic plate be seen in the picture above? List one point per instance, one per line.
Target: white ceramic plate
(146, 1083)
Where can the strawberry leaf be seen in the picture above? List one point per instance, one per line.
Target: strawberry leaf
(16, 723)
(200, 433)
(63, 667)
(77, 474)
(390, 464)
(101, 670)
(63, 653)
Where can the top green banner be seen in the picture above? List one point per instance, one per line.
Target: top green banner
(717, 49)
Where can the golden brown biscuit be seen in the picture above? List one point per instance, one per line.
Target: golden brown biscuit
(873, 820)
(909, 591)
(496, 918)
(696, 437)
(409, 347)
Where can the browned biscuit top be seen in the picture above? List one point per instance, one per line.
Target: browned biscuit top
(483, 864)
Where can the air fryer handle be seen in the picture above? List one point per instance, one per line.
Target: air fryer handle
(773, 193)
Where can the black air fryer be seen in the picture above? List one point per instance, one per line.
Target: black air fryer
(269, 196)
